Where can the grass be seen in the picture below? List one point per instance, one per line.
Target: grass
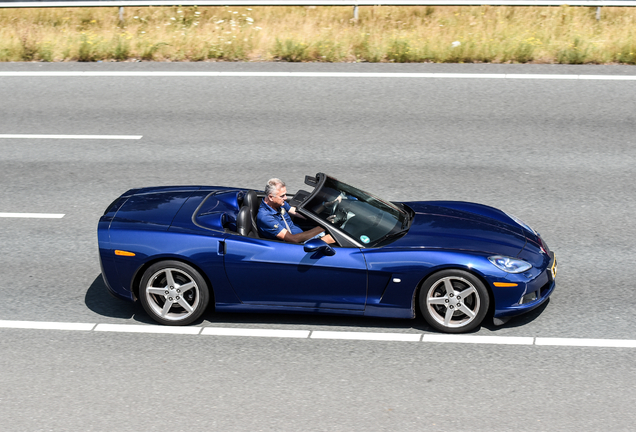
(450, 34)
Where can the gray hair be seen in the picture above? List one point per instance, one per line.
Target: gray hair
(273, 185)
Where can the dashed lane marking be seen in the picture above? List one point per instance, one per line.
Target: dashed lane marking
(37, 325)
(82, 137)
(33, 215)
(398, 337)
(130, 328)
(598, 343)
(496, 340)
(216, 331)
(325, 335)
(316, 75)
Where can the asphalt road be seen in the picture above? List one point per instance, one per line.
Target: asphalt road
(559, 154)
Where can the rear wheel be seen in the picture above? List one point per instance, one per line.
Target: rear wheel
(173, 293)
(454, 301)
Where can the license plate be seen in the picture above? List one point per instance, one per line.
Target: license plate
(553, 269)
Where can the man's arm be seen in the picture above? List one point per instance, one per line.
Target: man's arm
(304, 236)
(300, 237)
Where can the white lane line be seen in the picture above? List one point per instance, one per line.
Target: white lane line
(319, 334)
(398, 337)
(38, 325)
(130, 328)
(319, 75)
(217, 331)
(84, 137)
(33, 215)
(599, 343)
(496, 340)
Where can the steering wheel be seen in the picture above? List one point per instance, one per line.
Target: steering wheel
(337, 218)
(339, 215)
(334, 209)
(336, 202)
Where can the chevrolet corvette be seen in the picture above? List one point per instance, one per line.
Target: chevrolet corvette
(180, 250)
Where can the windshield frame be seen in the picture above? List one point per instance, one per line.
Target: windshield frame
(386, 207)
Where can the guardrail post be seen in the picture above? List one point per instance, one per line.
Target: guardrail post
(121, 14)
(355, 12)
(598, 13)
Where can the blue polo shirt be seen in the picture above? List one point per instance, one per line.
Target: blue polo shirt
(270, 222)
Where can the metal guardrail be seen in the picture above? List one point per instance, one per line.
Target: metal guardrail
(129, 3)
(355, 3)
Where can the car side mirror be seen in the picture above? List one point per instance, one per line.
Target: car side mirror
(317, 245)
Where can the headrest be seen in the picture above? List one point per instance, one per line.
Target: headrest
(251, 201)
(244, 221)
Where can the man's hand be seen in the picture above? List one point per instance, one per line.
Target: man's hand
(337, 200)
(336, 219)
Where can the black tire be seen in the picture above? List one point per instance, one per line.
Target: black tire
(454, 301)
(173, 293)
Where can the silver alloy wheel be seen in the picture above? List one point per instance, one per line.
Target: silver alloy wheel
(172, 294)
(453, 302)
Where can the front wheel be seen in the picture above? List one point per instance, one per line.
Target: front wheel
(173, 293)
(454, 301)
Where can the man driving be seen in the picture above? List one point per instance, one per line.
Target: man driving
(273, 218)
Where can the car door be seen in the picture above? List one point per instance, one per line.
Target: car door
(273, 273)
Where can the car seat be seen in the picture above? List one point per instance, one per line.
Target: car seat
(244, 223)
(251, 202)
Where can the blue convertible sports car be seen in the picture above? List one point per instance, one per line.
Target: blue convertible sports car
(180, 250)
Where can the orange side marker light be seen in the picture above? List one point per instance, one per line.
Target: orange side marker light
(505, 284)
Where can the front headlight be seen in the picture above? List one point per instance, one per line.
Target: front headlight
(509, 265)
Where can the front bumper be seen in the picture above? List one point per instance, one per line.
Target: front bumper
(109, 275)
(531, 291)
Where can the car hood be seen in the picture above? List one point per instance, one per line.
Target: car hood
(462, 226)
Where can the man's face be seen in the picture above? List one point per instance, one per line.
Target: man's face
(278, 198)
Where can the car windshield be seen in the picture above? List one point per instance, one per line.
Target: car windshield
(364, 217)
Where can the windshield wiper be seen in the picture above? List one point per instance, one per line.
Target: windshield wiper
(390, 236)
(407, 219)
